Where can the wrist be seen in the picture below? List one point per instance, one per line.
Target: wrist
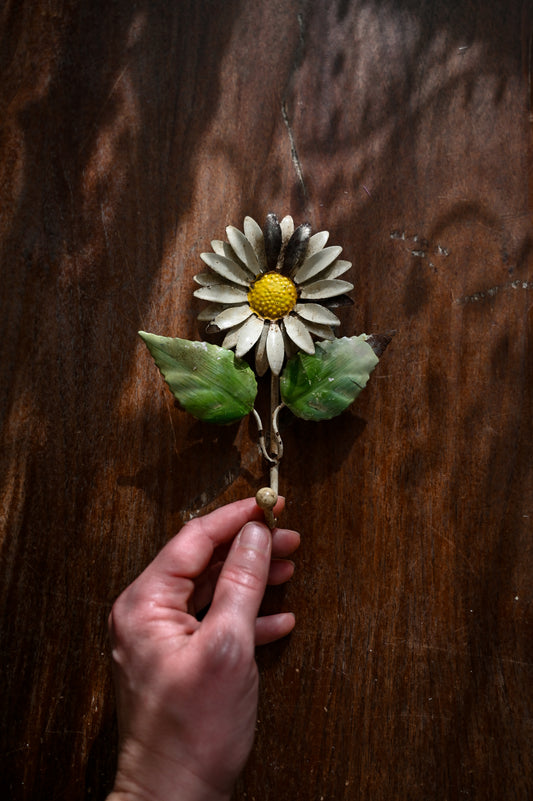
(183, 794)
(181, 791)
(145, 776)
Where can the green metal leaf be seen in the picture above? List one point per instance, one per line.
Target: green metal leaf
(321, 386)
(209, 382)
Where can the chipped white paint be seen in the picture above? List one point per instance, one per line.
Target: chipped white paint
(419, 246)
(485, 294)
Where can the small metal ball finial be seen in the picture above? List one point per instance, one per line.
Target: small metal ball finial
(266, 499)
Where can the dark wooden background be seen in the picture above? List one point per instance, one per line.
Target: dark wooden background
(132, 133)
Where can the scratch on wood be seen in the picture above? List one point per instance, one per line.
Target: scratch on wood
(485, 294)
(199, 503)
(102, 110)
(296, 62)
(529, 77)
(294, 152)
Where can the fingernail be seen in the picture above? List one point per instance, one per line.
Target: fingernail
(254, 536)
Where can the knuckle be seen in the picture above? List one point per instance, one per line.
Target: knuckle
(126, 616)
(244, 575)
(228, 651)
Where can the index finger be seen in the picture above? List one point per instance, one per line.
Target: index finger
(189, 552)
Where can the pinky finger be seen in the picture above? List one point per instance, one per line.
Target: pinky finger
(273, 627)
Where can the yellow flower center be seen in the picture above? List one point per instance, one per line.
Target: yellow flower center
(272, 296)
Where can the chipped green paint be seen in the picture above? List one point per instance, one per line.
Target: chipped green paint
(321, 386)
(209, 382)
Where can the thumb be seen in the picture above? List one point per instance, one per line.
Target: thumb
(243, 578)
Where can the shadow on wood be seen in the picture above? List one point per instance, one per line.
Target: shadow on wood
(132, 135)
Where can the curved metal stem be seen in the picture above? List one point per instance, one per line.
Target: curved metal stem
(275, 431)
(275, 444)
(273, 458)
(261, 435)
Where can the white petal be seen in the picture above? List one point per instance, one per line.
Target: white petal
(249, 334)
(338, 267)
(243, 249)
(316, 263)
(287, 229)
(254, 235)
(210, 312)
(217, 245)
(324, 289)
(261, 359)
(321, 331)
(221, 293)
(231, 338)
(299, 334)
(290, 348)
(232, 316)
(315, 313)
(226, 268)
(208, 279)
(317, 242)
(224, 249)
(275, 348)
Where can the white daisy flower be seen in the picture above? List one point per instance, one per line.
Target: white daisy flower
(271, 289)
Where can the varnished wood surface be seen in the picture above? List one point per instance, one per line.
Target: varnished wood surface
(132, 134)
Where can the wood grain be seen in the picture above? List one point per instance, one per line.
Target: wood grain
(132, 134)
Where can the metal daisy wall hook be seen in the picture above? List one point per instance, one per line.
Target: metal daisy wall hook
(271, 290)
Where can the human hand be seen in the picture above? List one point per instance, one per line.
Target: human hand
(187, 689)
